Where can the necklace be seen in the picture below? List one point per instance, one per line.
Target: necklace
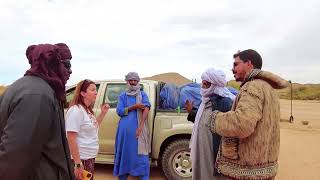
(93, 119)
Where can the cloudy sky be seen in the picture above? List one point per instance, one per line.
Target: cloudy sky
(110, 38)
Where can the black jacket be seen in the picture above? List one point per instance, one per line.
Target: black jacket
(219, 103)
(33, 144)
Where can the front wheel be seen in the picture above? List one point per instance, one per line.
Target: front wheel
(175, 161)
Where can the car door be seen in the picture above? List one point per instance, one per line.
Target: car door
(108, 128)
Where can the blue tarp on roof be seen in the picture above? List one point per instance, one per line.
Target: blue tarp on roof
(233, 90)
(173, 97)
(190, 92)
(169, 96)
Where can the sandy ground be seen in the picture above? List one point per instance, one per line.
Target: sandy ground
(104, 172)
(299, 147)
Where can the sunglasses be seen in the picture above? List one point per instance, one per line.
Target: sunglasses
(66, 63)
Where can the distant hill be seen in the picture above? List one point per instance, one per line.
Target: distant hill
(299, 91)
(171, 77)
(234, 84)
(2, 88)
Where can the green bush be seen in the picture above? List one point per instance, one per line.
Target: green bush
(234, 84)
(301, 92)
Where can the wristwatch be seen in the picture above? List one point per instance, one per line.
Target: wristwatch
(78, 165)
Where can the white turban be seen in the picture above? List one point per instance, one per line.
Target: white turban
(217, 78)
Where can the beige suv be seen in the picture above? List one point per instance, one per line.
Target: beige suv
(170, 129)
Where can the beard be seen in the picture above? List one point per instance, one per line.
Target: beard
(133, 87)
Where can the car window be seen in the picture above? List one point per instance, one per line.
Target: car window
(70, 94)
(112, 93)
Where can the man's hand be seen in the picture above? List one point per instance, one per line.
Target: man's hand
(139, 106)
(138, 131)
(189, 106)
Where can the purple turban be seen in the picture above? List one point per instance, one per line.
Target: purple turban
(45, 60)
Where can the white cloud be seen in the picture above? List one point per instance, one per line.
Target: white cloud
(110, 38)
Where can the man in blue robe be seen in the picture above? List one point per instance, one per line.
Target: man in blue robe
(132, 146)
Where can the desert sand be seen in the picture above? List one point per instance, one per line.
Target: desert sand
(299, 147)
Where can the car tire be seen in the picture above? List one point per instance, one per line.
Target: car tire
(175, 161)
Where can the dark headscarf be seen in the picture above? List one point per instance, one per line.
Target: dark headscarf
(63, 51)
(45, 61)
(29, 53)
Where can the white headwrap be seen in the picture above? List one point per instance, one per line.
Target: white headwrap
(217, 78)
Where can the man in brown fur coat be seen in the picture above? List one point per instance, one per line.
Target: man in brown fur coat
(250, 132)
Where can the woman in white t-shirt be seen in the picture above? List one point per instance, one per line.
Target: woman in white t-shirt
(82, 127)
